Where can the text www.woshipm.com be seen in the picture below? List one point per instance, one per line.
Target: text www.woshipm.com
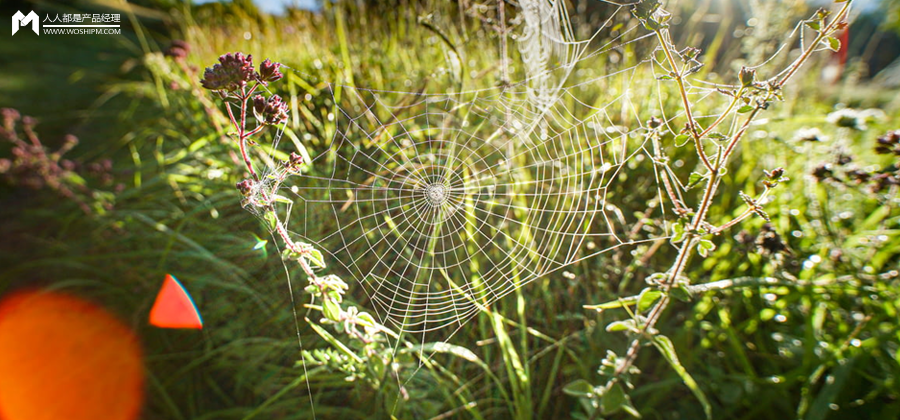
(82, 31)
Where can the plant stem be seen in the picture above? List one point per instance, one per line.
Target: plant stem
(829, 29)
(243, 136)
(737, 96)
(686, 250)
(662, 36)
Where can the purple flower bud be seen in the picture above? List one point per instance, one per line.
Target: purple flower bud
(70, 141)
(270, 112)
(178, 50)
(268, 72)
(9, 114)
(775, 174)
(245, 187)
(294, 163)
(747, 76)
(259, 107)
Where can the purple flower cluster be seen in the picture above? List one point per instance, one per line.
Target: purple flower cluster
(235, 71)
(270, 111)
(34, 166)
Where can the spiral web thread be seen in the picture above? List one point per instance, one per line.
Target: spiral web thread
(440, 204)
(436, 213)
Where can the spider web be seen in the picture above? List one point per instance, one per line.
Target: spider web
(439, 204)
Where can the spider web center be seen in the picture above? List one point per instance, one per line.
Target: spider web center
(436, 194)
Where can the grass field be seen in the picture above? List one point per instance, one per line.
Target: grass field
(794, 316)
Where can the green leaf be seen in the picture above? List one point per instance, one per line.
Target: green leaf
(612, 399)
(664, 77)
(833, 43)
(678, 233)
(315, 257)
(282, 199)
(579, 388)
(288, 254)
(516, 369)
(681, 140)
(331, 309)
(647, 298)
(624, 325)
(745, 109)
(656, 278)
(365, 319)
(270, 219)
(695, 179)
(836, 381)
(334, 341)
(715, 135)
(614, 304)
(704, 247)
(813, 24)
(681, 294)
(615, 399)
(665, 346)
(334, 295)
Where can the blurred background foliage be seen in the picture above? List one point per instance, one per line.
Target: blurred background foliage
(811, 330)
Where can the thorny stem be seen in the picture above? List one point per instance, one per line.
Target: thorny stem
(747, 213)
(829, 29)
(676, 200)
(662, 36)
(686, 250)
(734, 101)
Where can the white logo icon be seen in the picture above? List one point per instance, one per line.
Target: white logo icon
(19, 20)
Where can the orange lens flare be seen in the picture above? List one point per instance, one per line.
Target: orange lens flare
(174, 308)
(64, 358)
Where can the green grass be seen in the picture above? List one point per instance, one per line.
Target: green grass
(514, 359)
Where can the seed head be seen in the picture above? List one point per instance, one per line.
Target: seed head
(747, 76)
